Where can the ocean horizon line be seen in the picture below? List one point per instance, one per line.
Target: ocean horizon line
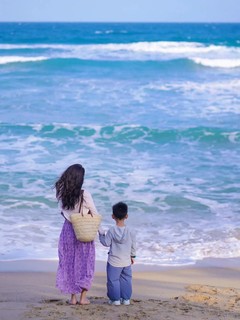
(124, 22)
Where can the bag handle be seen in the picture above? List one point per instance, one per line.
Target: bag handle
(81, 203)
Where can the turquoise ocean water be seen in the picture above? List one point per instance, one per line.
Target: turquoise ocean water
(153, 113)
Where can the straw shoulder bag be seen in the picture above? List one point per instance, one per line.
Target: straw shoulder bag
(85, 226)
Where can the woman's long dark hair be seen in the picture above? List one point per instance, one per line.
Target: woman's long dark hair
(69, 186)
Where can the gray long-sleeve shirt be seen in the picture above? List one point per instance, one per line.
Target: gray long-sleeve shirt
(122, 243)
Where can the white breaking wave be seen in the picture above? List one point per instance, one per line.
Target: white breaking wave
(218, 63)
(207, 55)
(14, 59)
(155, 46)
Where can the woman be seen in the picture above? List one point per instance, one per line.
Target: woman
(76, 259)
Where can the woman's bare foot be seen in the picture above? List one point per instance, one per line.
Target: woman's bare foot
(85, 301)
(83, 298)
(73, 299)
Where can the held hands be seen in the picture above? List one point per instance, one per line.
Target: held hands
(101, 231)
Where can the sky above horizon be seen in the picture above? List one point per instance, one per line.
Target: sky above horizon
(121, 11)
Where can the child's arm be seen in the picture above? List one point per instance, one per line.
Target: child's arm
(133, 248)
(101, 230)
(105, 239)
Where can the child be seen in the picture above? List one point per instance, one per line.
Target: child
(122, 243)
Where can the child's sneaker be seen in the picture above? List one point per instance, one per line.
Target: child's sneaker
(114, 303)
(125, 302)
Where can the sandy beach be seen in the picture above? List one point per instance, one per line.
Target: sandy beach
(208, 290)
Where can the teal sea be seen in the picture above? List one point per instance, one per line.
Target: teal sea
(152, 111)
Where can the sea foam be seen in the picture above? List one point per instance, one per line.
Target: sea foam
(14, 59)
(208, 55)
(218, 63)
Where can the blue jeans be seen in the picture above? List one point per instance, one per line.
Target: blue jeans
(119, 282)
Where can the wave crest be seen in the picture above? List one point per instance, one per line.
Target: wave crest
(218, 63)
(124, 133)
(16, 59)
(207, 55)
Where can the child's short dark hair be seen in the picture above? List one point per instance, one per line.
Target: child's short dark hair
(120, 210)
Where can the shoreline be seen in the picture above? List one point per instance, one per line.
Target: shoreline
(210, 289)
(50, 265)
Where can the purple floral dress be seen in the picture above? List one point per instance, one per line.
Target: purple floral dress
(76, 262)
